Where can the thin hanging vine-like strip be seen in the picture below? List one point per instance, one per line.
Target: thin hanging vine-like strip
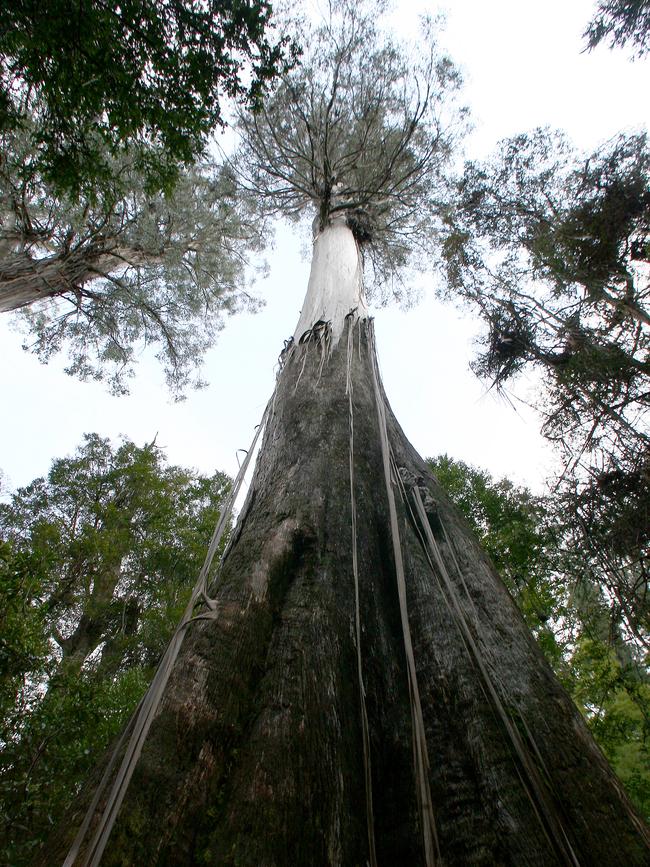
(421, 759)
(367, 766)
(550, 822)
(145, 712)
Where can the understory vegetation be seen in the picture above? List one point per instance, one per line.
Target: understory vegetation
(97, 561)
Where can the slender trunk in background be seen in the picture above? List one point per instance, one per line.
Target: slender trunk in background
(24, 280)
(460, 749)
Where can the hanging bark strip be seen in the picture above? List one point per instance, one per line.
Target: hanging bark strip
(420, 753)
(551, 823)
(367, 763)
(137, 729)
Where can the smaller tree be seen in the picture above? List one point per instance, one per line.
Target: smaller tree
(97, 563)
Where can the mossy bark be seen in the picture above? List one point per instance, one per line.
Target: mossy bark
(256, 755)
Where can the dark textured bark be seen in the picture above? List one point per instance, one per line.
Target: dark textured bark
(256, 755)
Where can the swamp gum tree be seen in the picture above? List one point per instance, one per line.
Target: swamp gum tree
(358, 687)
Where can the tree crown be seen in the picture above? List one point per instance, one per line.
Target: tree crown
(363, 128)
(122, 269)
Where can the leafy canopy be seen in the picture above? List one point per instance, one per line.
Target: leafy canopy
(621, 22)
(97, 562)
(110, 213)
(105, 276)
(92, 79)
(364, 127)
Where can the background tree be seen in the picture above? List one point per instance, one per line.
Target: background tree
(359, 686)
(105, 275)
(516, 531)
(97, 563)
(87, 81)
(551, 249)
(105, 109)
(621, 22)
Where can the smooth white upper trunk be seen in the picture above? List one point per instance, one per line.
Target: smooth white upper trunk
(336, 281)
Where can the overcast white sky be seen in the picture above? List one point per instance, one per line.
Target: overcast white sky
(523, 68)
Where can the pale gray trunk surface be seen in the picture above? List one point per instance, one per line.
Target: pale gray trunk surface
(24, 280)
(256, 756)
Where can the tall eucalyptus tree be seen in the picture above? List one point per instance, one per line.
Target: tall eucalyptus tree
(358, 685)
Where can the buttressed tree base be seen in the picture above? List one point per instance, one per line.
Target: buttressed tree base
(362, 688)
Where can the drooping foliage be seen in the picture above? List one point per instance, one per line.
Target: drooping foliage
(576, 620)
(111, 212)
(87, 80)
(102, 277)
(363, 127)
(552, 250)
(96, 565)
(621, 22)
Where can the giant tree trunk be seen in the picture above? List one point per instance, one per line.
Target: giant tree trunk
(263, 743)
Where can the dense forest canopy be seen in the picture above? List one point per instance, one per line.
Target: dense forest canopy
(88, 81)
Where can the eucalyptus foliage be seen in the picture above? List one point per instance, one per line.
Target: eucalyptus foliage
(111, 212)
(621, 22)
(88, 80)
(104, 276)
(96, 564)
(362, 128)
